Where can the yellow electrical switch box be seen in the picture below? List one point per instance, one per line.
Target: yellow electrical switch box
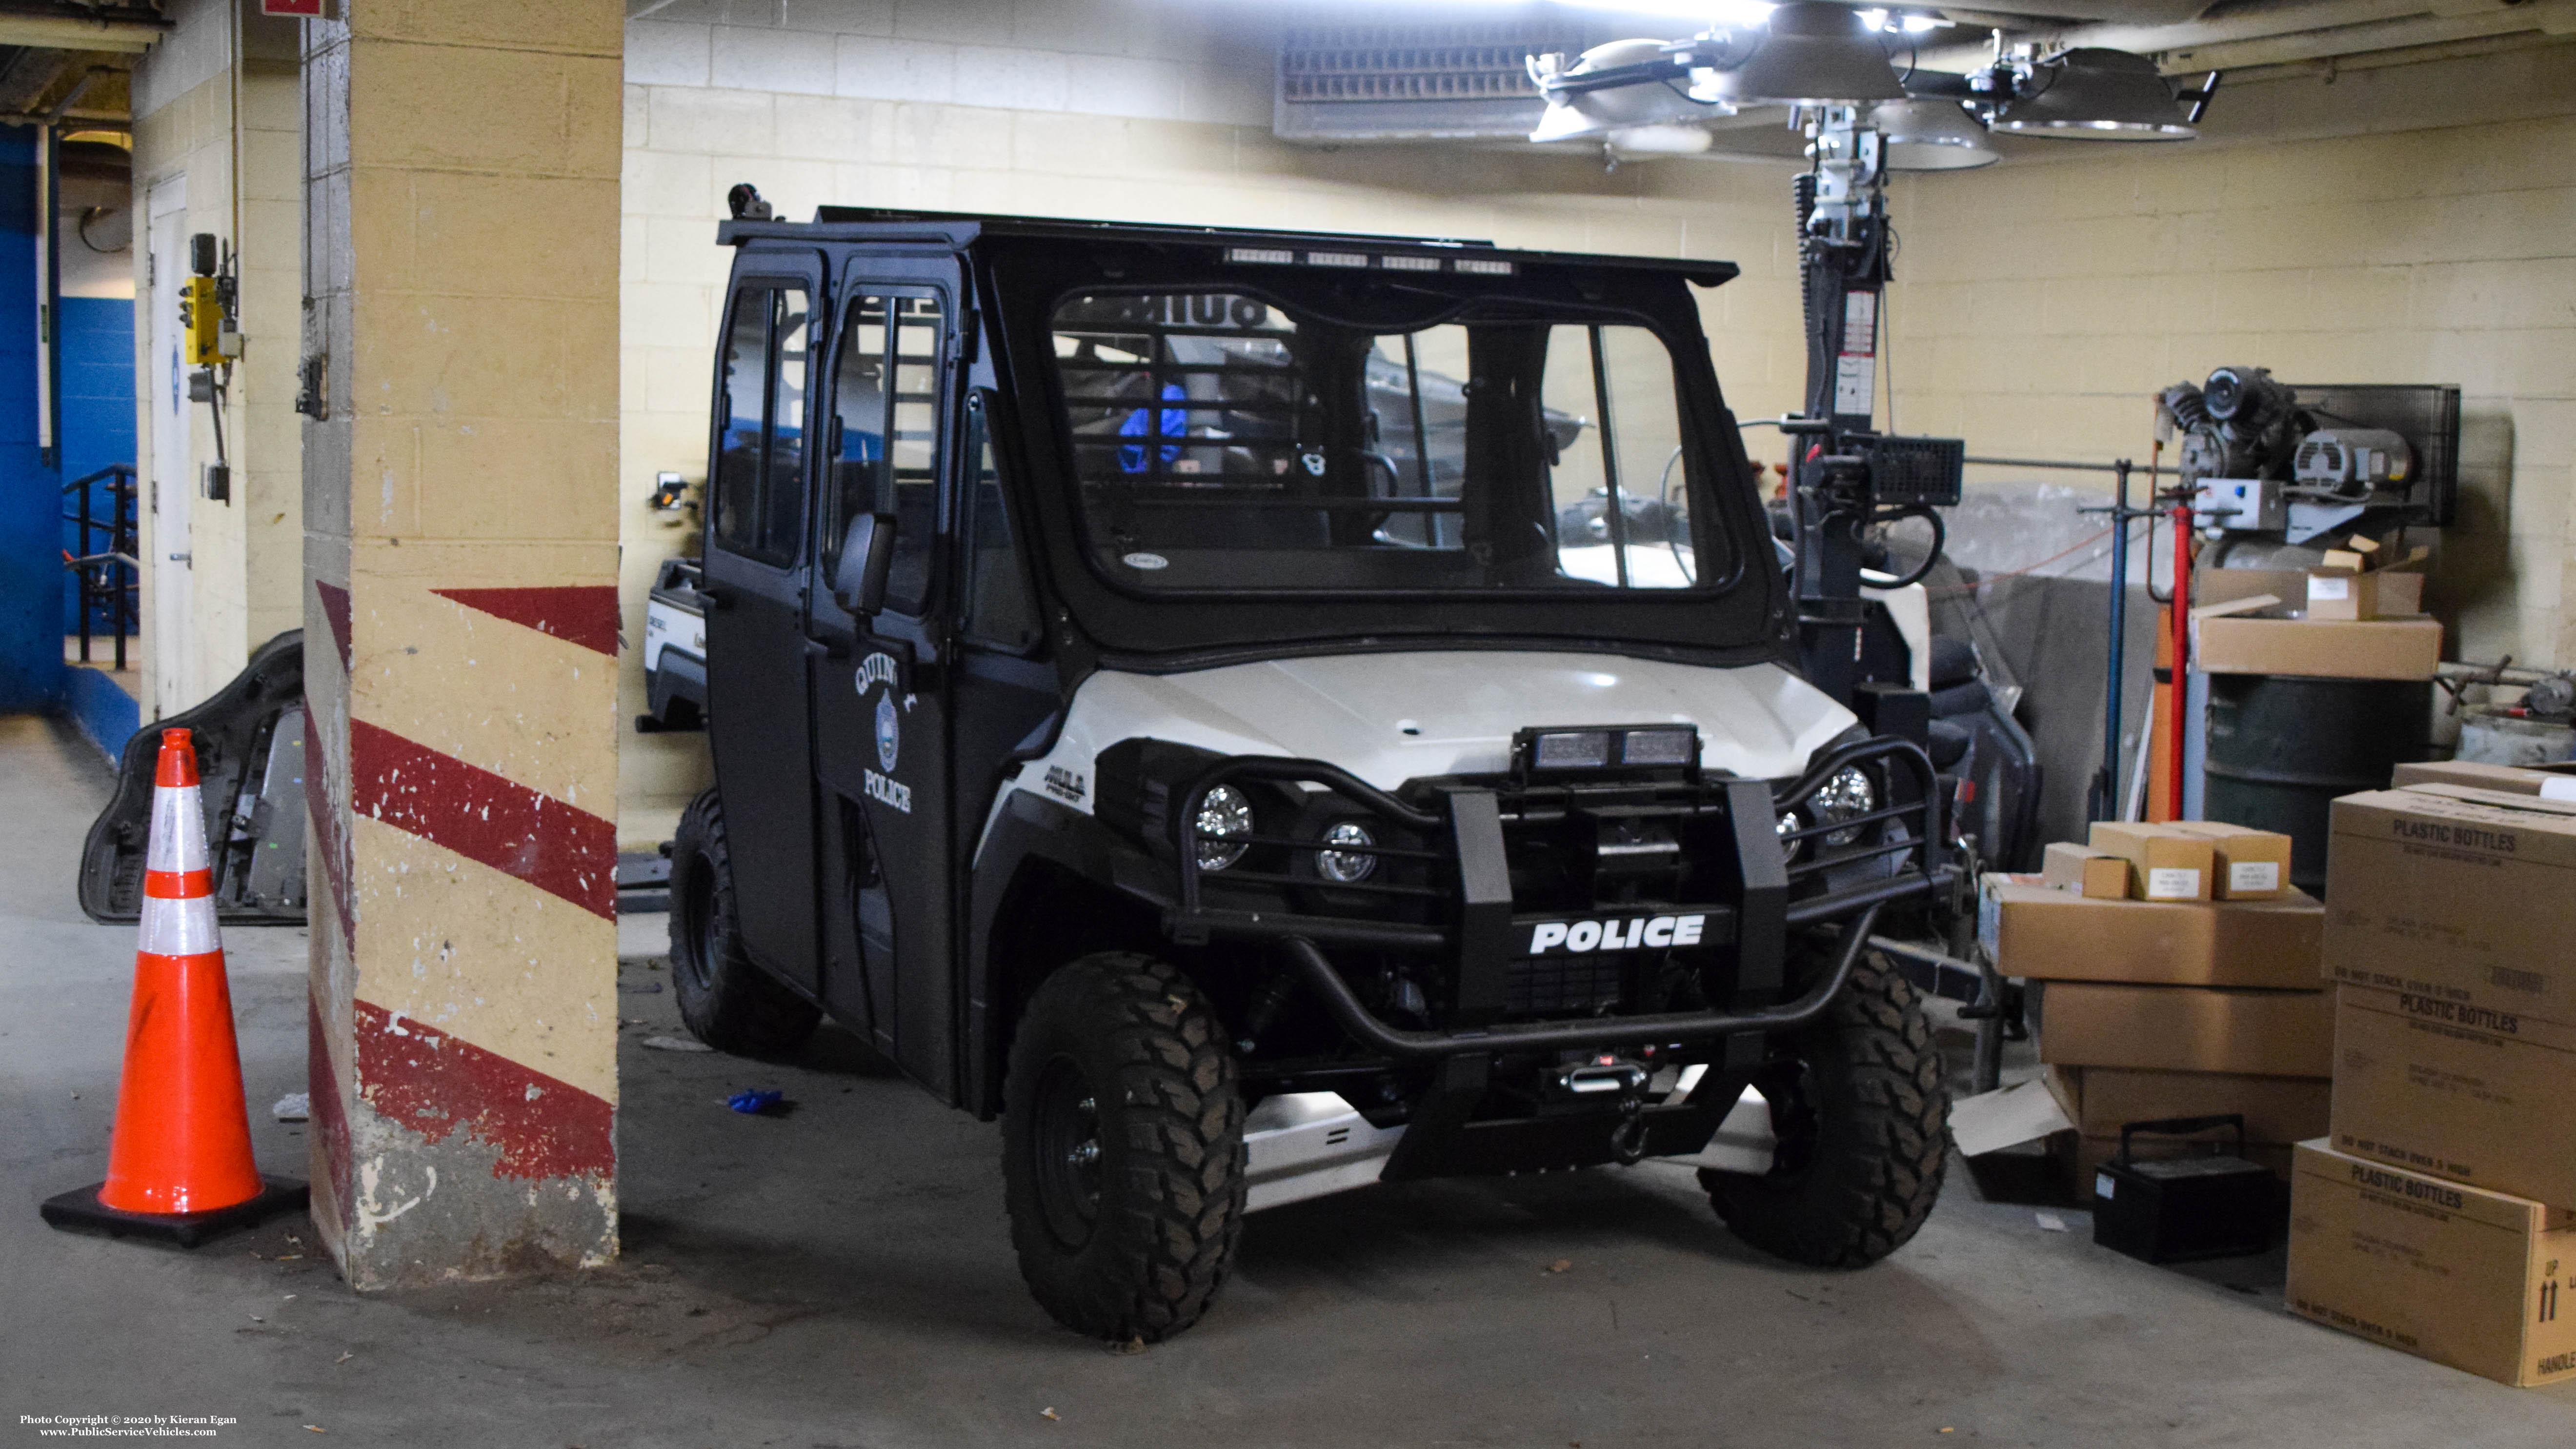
(204, 316)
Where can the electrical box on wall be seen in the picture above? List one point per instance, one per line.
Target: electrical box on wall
(204, 318)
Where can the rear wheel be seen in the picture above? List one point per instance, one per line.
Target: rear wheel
(726, 1001)
(1863, 1121)
(1122, 1140)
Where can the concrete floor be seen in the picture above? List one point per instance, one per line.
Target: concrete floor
(842, 1277)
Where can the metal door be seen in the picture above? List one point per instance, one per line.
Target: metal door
(756, 581)
(881, 685)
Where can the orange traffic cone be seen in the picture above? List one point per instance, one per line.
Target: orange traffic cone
(179, 1164)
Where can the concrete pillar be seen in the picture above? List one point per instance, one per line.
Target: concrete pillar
(460, 518)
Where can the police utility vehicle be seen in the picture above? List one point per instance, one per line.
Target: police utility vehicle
(1264, 713)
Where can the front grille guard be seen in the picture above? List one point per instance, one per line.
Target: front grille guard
(1451, 876)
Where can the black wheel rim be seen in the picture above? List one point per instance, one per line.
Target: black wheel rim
(1065, 1139)
(698, 925)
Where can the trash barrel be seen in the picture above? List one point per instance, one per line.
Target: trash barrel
(2281, 748)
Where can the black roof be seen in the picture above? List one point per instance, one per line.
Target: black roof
(956, 230)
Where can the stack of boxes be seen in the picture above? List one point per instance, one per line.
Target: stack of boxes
(2179, 972)
(2440, 1214)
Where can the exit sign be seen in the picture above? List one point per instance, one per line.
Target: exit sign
(312, 8)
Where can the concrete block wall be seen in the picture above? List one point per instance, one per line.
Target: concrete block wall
(2040, 305)
(1148, 110)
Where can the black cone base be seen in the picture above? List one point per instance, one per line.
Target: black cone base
(82, 1212)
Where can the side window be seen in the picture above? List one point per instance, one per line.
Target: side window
(998, 606)
(760, 495)
(746, 392)
(912, 440)
(856, 478)
(782, 505)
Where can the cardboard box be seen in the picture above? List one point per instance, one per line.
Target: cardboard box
(2253, 865)
(2188, 1029)
(2370, 649)
(2478, 1280)
(2463, 894)
(2277, 1110)
(2085, 871)
(2552, 782)
(2434, 1085)
(2338, 594)
(2171, 864)
(2043, 934)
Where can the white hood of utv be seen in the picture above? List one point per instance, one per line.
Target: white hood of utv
(1389, 718)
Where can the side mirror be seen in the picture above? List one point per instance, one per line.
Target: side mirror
(867, 556)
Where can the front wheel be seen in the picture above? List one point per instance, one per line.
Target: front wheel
(1122, 1141)
(1863, 1122)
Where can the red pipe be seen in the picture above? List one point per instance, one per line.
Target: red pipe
(2180, 688)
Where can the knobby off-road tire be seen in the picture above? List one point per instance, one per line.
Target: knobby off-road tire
(1122, 1148)
(725, 1000)
(1864, 1136)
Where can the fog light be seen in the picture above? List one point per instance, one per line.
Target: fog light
(1222, 811)
(1346, 867)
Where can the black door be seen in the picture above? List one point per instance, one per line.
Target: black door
(756, 584)
(881, 685)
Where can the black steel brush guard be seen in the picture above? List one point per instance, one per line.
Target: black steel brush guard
(1788, 884)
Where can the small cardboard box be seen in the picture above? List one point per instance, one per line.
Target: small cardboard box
(2550, 782)
(2085, 871)
(2478, 1280)
(2464, 894)
(2187, 1029)
(2253, 865)
(2277, 1110)
(2370, 649)
(2044, 934)
(2171, 864)
(2432, 1084)
(2338, 594)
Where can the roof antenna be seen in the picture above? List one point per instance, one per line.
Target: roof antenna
(746, 204)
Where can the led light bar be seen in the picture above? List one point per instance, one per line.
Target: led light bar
(1662, 747)
(1363, 261)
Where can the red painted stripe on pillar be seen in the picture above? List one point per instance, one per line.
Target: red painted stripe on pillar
(433, 1084)
(335, 612)
(483, 816)
(330, 1123)
(583, 614)
(328, 839)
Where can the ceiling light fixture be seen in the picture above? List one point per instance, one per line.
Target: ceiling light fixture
(1930, 135)
(1810, 53)
(2094, 94)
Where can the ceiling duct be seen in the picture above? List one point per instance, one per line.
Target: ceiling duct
(1467, 81)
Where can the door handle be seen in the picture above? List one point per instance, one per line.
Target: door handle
(827, 649)
(718, 596)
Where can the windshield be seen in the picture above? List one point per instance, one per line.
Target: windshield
(1226, 440)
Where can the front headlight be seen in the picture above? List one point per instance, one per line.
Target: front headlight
(1849, 793)
(1346, 867)
(1223, 810)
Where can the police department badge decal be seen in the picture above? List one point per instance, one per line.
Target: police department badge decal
(889, 731)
